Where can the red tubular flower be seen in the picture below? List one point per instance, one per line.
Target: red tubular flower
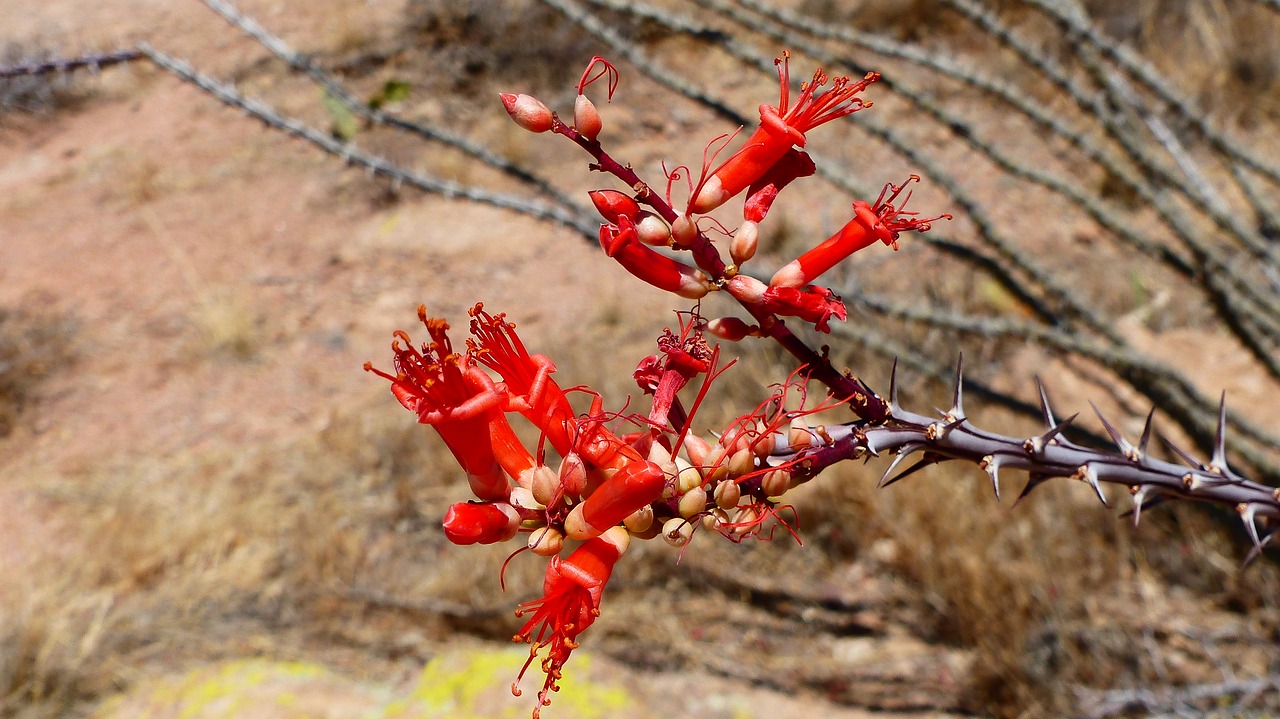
(760, 196)
(622, 244)
(663, 375)
(459, 400)
(883, 222)
(636, 485)
(530, 389)
(811, 304)
(571, 594)
(481, 523)
(612, 204)
(780, 129)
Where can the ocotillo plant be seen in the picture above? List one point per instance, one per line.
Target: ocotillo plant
(601, 478)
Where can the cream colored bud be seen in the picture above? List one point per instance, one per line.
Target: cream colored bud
(776, 483)
(545, 485)
(745, 242)
(688, 476)
(747, 519)
(652, 230)
(791, 275)
(684, 231)
(742, 462)
(727, 494)
(522, 498)
(677, 531)
(800, 436)
(693, 502)
(640, 520)
(546, 541)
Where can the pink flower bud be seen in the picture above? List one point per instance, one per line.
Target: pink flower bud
(745, 242)
(528, 112)
(730, 329)
(684, 230)
(652, 230)
(586, 120)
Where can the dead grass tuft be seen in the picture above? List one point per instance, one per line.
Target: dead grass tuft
(194, 554)
(31, 347)
(35, 94)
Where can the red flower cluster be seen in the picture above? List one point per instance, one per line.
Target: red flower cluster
(658, 479)
(771, 159)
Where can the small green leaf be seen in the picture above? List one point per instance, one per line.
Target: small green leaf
(393, 91)
(345, 124)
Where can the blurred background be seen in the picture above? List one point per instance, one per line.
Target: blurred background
(208, 510)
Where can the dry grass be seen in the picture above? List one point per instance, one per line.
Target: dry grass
(38, 94)
(237, 544)
(31, 347)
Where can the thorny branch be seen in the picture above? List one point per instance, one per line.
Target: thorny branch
(1249, 308)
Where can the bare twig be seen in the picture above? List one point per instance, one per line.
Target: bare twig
(373, 163)
(92, 62)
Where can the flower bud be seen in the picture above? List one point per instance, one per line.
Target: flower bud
(747, 289)
(746, 519)
(745, 242)
(640, 520)
(527, 111)
(742, 462)
(652, 230)
(586, 119)
(522, 498)
(697, 449)
(573, 475)
(480, 523)
(776, 483)
(684, 230)
(800, 436)
(546, 541)
(619, 537)
(677, 531)
(612, 204)
(545, 485)
(763, 445)
(693, 502)
(688, 476)
(727, 494)
(730, 329)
